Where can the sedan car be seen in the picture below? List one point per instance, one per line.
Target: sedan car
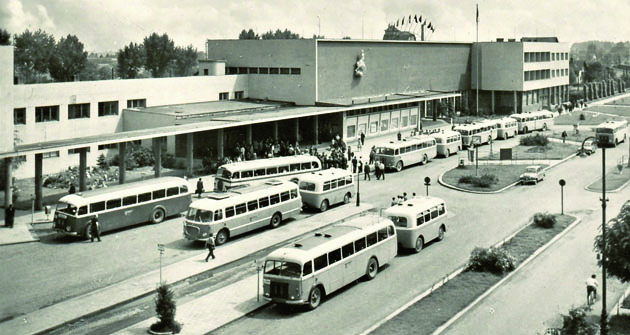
(532, 174)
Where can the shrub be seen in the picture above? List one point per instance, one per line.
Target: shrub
(143, 155)
(165, 309)
(169, 161)
(582, 117)
(534, 140)
(485, 180)
(544, 220)
(576, 322)
(493, 260)
(102, 162)
(130, 162)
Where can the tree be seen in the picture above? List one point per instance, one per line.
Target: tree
(185, 61)
(5, 37)
(159, 51)
(617, 245)
(165, 308)
(577, 323)
(68, 60)
(594, 72)
(130, 60)
(248, 35)
(280, 35)
(32, 54)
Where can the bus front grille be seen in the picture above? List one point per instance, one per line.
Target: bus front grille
(192, 230)
(279, 290)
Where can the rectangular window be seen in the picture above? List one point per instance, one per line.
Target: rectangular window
(348, 180)
(259, 172)
(252, 205)
(97, 207)
(107, 108)
(107, 146)
(382, 234)
(321, 262)
(242, 70)
(295, 167)
(229, 212)
(253, 70)
(372, 239)
(263, 202)
(308, 268)
(115, 203)
(285, 196)
(405, 121)
(51, 154)
(232, 70)
(306, 166)
(294, 193)
(326, 186)
(46, 113)
(238, 95)
(19, 116)
(76, 151)
(218, 215)
(274, 70)
(359, 244)
(224, 96)
(183, 189)
(144, 197)
(172, 191)
(341, 181)
(263, 70)
(205, 72)
(334, 256)
(434, 212)
(285, 70)
(296, 71)
(347, 250)
(130, 200)
(273, 170)
(351, 131)
(78, 111)
(158, 194)
(419, 220)
(137, 103)
(82, 210)
(413, 119)
(241, 209)
(274, 199)
(441, 209)
(374, 127)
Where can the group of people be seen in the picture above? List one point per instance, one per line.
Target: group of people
(266, 148)
(402, 198)
(365, 167)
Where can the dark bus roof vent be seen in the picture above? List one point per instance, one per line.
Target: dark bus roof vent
(318, 234)
(298, 245)
(327, 235)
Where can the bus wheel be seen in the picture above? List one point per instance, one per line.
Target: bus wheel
(399, 166)
(346, 198)
(448, 152)
(323, 206)
(158, 215)
(425, 160)
(441, 233)
(515, 133)
(87, 232)
(314, 298)
(222, 237)
(419, 244)
(275, 220)
(372, 269)
(505, 136)
(524, 130)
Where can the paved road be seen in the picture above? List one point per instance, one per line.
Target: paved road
(476, 220)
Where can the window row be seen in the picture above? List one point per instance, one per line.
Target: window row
(270, 171)
(370, 110)
(430, 214)
(545, 74)
(333, 184)
(264, 70)
(531, 57)
(260, 203)
(75, 111)
(133, 199)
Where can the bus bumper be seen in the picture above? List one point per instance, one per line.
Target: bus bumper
(285, 301)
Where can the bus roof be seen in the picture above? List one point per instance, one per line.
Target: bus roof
(112, 192)
(268, 162)
(324, 175)
(218, 200)
(413, 206)
(305, 249)
(613, 124)
(470, 126)
(445, 133)
(405, 142)
(540, 112)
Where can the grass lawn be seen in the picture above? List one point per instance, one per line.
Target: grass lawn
(442, 304)
(591, 118)
(614, 180)
(572, 136)
(619, 110)
(553, 150)
(619, 325)
(622, 101)
(507, 174)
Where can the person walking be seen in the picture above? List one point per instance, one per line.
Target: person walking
(405, 196)
(362, 138)
(394, 202)
(354, 163)
(210, 247)
(360, 167)
(72, 189)
(372, 154)
(199, 188)
(95, 229)
(366, 172)
(9, 216)
(382, 168)
(377, 170)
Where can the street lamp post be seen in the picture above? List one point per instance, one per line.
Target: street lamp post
(562, 183)
(427, 183)
(358, 184)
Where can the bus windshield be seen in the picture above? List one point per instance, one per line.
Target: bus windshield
(604, 130)
(199, 215)
(224, 173)
(285, 269)
(385, 151)
(66, 208)
(307, 186)
(399, 221)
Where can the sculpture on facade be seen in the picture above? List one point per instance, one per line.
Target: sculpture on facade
(359, 66)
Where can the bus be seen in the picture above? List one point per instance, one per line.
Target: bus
(260, 170)
(325, 188)
(241, 210)
(409, 151)
(418, 221)
(468, 131)
(448, 142)
(611, 132)
(539, 120)
(315, 266)
(492, 127)
(121, 206)
(506, 128)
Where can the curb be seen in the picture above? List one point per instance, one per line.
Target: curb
(441, 182)
(607, 190)
(506, 278)
(617, 306)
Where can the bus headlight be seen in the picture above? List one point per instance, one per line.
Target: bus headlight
(292, 298)
(204, 234)
(68, 228)
(266, 281)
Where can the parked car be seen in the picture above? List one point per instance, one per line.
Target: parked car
(533, 174)
(590, 147)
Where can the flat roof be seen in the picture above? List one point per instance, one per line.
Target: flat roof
(378, 100)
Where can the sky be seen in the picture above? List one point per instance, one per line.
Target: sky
(110, 24)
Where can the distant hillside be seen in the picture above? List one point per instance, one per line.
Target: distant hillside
(605, 52)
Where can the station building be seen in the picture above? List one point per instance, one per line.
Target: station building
(305, 91)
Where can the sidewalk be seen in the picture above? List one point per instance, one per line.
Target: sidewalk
(22, 231)
(128, 290)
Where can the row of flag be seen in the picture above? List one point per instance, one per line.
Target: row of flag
(416, 19)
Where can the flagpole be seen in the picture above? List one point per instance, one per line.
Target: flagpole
(477, 76)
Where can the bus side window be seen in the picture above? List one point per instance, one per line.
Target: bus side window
(308, 268)
(348, 180)
(326, 186)
(259, 172)
(218, 215)
(171, 191)
(347, 250)
(252, 205)
(372, 239)
(183, 189)
(427, 216)
(283, 169)
(315, 164)
(130, 200)
(272, 170)
(341, 181)
(306, 166)
(359, 244)
(97, 207)
(382, 234)
(263, 202)
(391, 231)
(295, 167)
(82, 210)
(284, 196)
(114, 203)
(159, 194)
(274, 199)
(144, 197)
(294, 193)
(434, 212)
(333, 184)
(247, 174)
(241, 209)
(419, 220)
(397, 152)
(334, 256)
(321, 262)
(236, 175)
(229, 212)
(442, 209)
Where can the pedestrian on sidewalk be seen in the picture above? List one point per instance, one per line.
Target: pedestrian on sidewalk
(210, 247)
(382, 168)
(354, 163)
(199, 188)
(405, 196)
(362, 138)
(360, 167)
(9, 216)
(377, 171)
(72, 189)
(591, 287)
(394, 202)
(366, 174)
(95, 229)
(372, 154)
(564, 136)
